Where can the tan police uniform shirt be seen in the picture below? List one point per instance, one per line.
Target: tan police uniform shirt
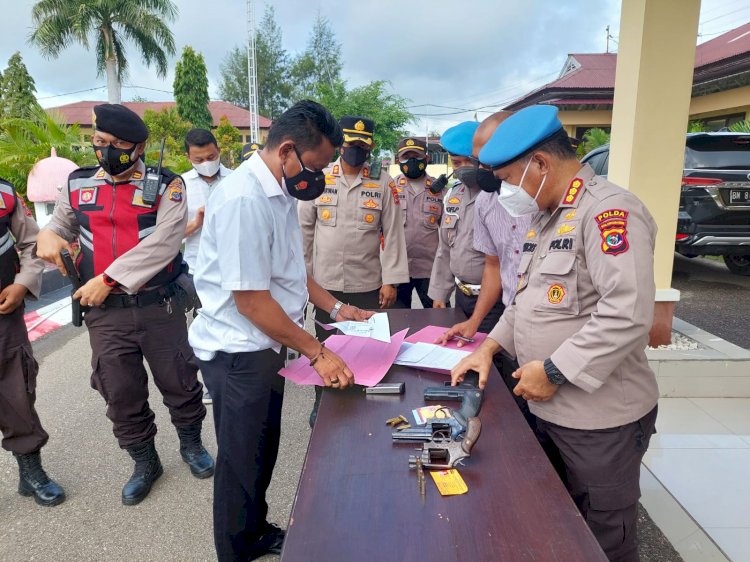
(456, 256)
(137, 266)
(341, 233)
(24, 229)
(586, 300)
(422, 212)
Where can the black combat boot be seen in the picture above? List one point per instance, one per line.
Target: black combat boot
(194, 453)
(147, 469)
(33, 481)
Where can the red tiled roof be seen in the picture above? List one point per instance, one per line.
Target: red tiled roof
(80, 112)
(597, 70)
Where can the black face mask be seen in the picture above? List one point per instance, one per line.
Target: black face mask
(305, 186)
(115, 161)
(413, 167)
(355, 155)
(487, 180)
(467, 175)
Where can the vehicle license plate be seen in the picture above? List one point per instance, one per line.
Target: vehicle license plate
(739, 196)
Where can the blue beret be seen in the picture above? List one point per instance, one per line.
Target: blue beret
(520, 133)
(457, 140)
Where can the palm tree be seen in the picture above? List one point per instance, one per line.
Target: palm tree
(60, 23)
(593, 138)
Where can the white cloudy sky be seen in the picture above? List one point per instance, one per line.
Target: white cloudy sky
(463, 55)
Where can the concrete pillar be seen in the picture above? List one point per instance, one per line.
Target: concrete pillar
(654, 79)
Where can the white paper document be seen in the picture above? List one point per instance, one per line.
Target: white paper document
(376, 327)
(429, 356)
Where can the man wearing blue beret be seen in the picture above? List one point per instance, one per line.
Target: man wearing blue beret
(457, 264)
(579, 322)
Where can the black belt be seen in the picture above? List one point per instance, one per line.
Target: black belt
(144, 298)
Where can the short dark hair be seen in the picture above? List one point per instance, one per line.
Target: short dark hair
(559, 146)
(199, 137)
(305, 123)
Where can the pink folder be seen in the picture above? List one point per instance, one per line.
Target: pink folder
(368, 359)
(430, 333)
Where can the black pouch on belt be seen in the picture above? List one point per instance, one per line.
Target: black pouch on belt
(186, 293)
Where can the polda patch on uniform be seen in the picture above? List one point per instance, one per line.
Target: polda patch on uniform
(574, 190)
(175, 194)
(555, 293)
(87, 195)
(613, 227)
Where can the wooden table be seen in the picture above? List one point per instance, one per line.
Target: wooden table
(358, 500)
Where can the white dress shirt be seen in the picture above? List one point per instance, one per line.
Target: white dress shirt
(197, 190)
(251, 241)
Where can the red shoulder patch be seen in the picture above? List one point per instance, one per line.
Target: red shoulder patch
(574, 190)
(613, 227)
(26, 209)
(394, 192)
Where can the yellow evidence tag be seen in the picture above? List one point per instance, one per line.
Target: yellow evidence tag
(449, 482)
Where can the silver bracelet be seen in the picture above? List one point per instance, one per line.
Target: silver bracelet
(335, 310)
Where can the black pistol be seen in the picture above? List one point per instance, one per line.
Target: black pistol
(77, 282)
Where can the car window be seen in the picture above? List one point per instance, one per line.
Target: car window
(597, 161)
(727, 152)
(605, 165)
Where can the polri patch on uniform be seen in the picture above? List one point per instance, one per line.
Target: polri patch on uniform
(87, 195)
(613, 227)
(555, 293)
(574, 190)
(175, 194)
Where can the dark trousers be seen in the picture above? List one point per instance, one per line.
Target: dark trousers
(366, 301)
(404, 291)
(19, 423)
(468, 304)
(602, 473)
(120, 339)
(247, 394)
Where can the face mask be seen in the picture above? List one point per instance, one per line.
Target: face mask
(208, 168)
(487, 180)
(467, 175)
(413, 168)
(305, 186)
(515, 199)
(115, 161)
(355, 156)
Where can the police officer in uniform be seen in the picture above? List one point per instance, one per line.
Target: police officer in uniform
(20, 274)
(130, 259)
(457, 264)
(580, 319)
(341, 231)
(422, 210)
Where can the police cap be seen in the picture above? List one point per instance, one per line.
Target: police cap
(457, 140)
(357, 129)
(120, 121)
(249, 149)
(519, 134)
(416, 144)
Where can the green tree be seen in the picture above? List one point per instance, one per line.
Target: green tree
(167, 124)
(696, 127)
(17, 90)
(61, 23)
(25, 141)
(272, 68)
(230, 143)
(375, 101)
(740, 127)
(191, 89)
(319, 66)
(593, 138)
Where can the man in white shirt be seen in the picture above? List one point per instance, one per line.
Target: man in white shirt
(252, 282)
(203, 152)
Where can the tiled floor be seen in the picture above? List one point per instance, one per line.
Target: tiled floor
(701, 455)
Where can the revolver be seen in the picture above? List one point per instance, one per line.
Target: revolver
(77, 282)
(442, 455)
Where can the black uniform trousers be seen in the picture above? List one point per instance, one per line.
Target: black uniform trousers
(19, 423)
(247, 394)
(404, 291)
(468, 304)
(601, 470)
(120, 339)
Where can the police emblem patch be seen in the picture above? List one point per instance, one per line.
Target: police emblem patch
(410, 142)
(370, 204)
(175, 194)
(124, 158)
(447, 220)
(555, 294)
(433, 219)
(613, 227)
(325, 214)
(369, 218)
(87, 195)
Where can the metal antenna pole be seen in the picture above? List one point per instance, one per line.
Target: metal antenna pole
(252, 73)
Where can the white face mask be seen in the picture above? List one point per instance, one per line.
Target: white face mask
(209, 168)
(515, 199)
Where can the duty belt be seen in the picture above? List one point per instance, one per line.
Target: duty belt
(144, 298)
(467, 289)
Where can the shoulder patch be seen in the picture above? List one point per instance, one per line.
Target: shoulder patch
(394, 192)
(613, 228)
(574, 190)
(174, 190)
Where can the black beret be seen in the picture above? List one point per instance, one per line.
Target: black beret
(119, 121)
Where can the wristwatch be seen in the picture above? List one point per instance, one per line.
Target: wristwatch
(109, 282)
(554, 375)
(335, 310)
